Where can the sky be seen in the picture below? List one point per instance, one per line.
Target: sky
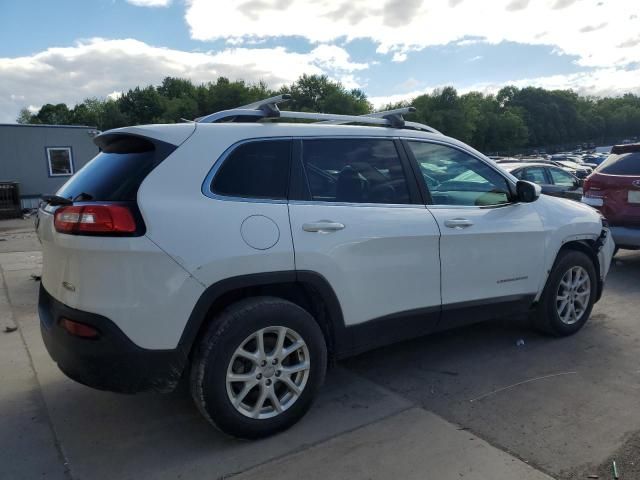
(54, 51)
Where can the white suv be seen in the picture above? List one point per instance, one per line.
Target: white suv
(244, 255)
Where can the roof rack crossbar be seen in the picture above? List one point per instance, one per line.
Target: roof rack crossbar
(269, 105)
(395, 119)
(395, 111)
(260, 109)
(268, 108)
(334, 118)
(394, 116)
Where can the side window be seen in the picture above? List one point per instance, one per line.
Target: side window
(561, 177)
(456, 178)
(355, 171)
(535, 175)
(255, 170)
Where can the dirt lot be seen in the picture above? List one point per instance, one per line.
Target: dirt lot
(484, 402)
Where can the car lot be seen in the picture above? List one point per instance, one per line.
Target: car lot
(478, 402)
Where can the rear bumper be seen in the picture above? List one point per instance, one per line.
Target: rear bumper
(626, 236)
(110, 362)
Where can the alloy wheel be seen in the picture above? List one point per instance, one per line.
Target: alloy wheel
(268, 372)
(574, 292)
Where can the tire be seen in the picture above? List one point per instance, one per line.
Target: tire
(549, 316)
(218, 356)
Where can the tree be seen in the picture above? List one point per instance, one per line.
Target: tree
(58, 114)
(513, 120)
(316, 93)
(89, 112)
(25, 116)
(142, 105)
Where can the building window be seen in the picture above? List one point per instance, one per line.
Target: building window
(60, 161)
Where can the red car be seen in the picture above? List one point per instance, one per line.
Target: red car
(614, 189)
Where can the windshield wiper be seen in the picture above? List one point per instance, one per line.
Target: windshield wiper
(56, 200)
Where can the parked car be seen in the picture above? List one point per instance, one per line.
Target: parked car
(614, 189)
(593, 160)
(579, 170)
(567, 166)
(242, 255)
(554, 181)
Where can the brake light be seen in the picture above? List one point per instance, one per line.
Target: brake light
(94, 219)
(592, 189)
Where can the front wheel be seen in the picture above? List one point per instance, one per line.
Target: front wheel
(568, 297)
(259, 367)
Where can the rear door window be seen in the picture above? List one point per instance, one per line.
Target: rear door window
(257, 169)
(621, 164)
(355, 171)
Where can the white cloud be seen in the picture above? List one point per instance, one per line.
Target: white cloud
(334, 57)
(590, 29)
(114, 95)
(105, 68)
(381, 101)
(410, 84)
(599, 82)
(150, 3)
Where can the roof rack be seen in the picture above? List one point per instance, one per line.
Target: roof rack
(268, 109)
(395, 118)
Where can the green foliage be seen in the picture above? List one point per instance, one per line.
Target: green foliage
(316, 93)
(54, 114)
(512, 120)
(24, 116)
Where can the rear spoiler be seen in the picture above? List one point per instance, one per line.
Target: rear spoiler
(173, 134)
(629, 148)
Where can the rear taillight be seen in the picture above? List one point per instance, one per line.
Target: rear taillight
(592, 193)
(592, 187)
(95, 219)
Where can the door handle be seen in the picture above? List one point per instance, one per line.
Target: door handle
(458, 223)
(323, 226)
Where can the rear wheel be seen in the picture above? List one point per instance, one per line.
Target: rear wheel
(259, 367)
(568, 297)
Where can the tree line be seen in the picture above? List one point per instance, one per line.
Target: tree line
(513, 120)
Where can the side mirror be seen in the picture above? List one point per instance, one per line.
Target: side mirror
(527, 192)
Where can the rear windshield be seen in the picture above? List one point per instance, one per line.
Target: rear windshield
(623, 164)
(115, 174)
